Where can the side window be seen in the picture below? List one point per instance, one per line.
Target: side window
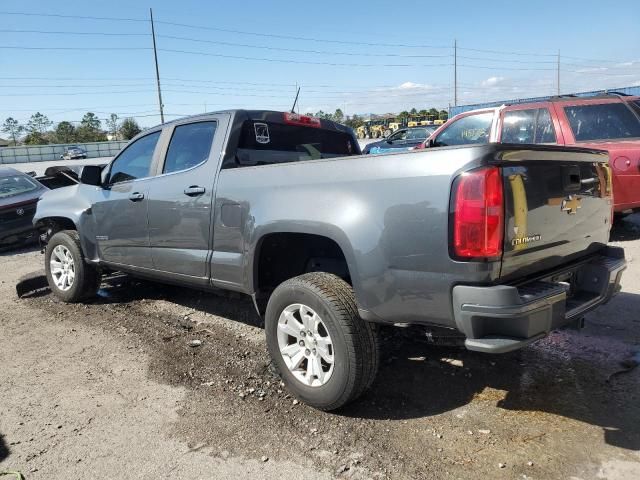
(602, 122)
(545, 133)
(400, 135)
(417, 134)
(472, 129)
(528, 126)
(190, 145)
(134, 161)
(518, 126)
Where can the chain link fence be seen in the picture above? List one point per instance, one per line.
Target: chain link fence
(47, 153)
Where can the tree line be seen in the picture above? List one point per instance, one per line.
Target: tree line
(38, 131)
(354, 121)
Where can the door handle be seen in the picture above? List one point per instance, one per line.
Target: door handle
(136, 196)
(194, 191)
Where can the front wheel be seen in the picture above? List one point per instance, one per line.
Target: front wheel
(70, 278)
(326, 354)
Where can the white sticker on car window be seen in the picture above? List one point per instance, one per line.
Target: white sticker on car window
(262, 132)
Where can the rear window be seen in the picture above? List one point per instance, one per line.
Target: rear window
(602, 122)
(263, 143)
(16, 185)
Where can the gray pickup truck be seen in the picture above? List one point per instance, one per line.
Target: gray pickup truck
(503, 243)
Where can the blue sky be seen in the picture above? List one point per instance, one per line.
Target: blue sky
(359, 56)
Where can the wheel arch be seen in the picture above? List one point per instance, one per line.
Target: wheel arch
(315, 238)
(52, 224)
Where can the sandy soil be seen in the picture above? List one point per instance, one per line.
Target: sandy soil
(112, 389)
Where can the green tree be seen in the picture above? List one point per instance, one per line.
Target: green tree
(443, 115)
(90, 129)
(413, 111)
(37, 127)
(423, 113)
(13, 128)
(129, 128)
(65, 132)
(433, 114)
(112, 125)
(323, 115)
(338, 116)
(354, 121)
(403, 117)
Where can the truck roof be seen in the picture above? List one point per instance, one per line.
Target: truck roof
(274, 116)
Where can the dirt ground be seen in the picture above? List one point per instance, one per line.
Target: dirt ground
(113, 389)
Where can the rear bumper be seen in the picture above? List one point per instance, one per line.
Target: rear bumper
(502, 318)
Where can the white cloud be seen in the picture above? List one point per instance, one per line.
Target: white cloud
(492, 81)
(411, 85)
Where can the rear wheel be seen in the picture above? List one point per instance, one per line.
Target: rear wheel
(70, 278)
(326, 354)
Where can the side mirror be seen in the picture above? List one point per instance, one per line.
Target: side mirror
(91, 175)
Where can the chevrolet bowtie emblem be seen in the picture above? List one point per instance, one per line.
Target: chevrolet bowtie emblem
(571, 204)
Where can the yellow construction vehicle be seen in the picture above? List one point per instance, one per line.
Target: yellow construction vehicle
(373, 129)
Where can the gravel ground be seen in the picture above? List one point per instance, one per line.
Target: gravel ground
(112, 389)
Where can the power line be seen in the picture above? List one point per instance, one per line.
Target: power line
(49, 32)
(308, 39)
(299, 50)
(82, 17)
(15, 47)
(484, 67)
(300, 62)
(69, 93)
(503, 52)
(506, 60)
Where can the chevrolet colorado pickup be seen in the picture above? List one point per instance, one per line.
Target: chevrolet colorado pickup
(503, 243)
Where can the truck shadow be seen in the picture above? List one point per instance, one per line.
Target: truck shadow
(4, 450)
(626, 229)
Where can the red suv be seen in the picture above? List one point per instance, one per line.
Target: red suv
(607, 122)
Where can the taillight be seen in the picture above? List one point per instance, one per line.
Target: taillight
(304, 120)
(478, 214)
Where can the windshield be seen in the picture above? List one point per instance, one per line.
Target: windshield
(265, 142)
(16, 185)
(602, 122)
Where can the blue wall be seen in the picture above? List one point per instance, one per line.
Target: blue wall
(465, 108)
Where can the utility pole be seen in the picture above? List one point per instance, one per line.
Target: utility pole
(455, 73)
(155, 56)
(558, 72)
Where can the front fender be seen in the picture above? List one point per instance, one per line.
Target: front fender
(70, 205)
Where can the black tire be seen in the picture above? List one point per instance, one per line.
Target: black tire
(355, 342)
(87, 278)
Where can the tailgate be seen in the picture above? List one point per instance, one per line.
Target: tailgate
(558, 207)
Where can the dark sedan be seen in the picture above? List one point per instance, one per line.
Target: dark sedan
(73, 153)
(402, 139)
(19, 194)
